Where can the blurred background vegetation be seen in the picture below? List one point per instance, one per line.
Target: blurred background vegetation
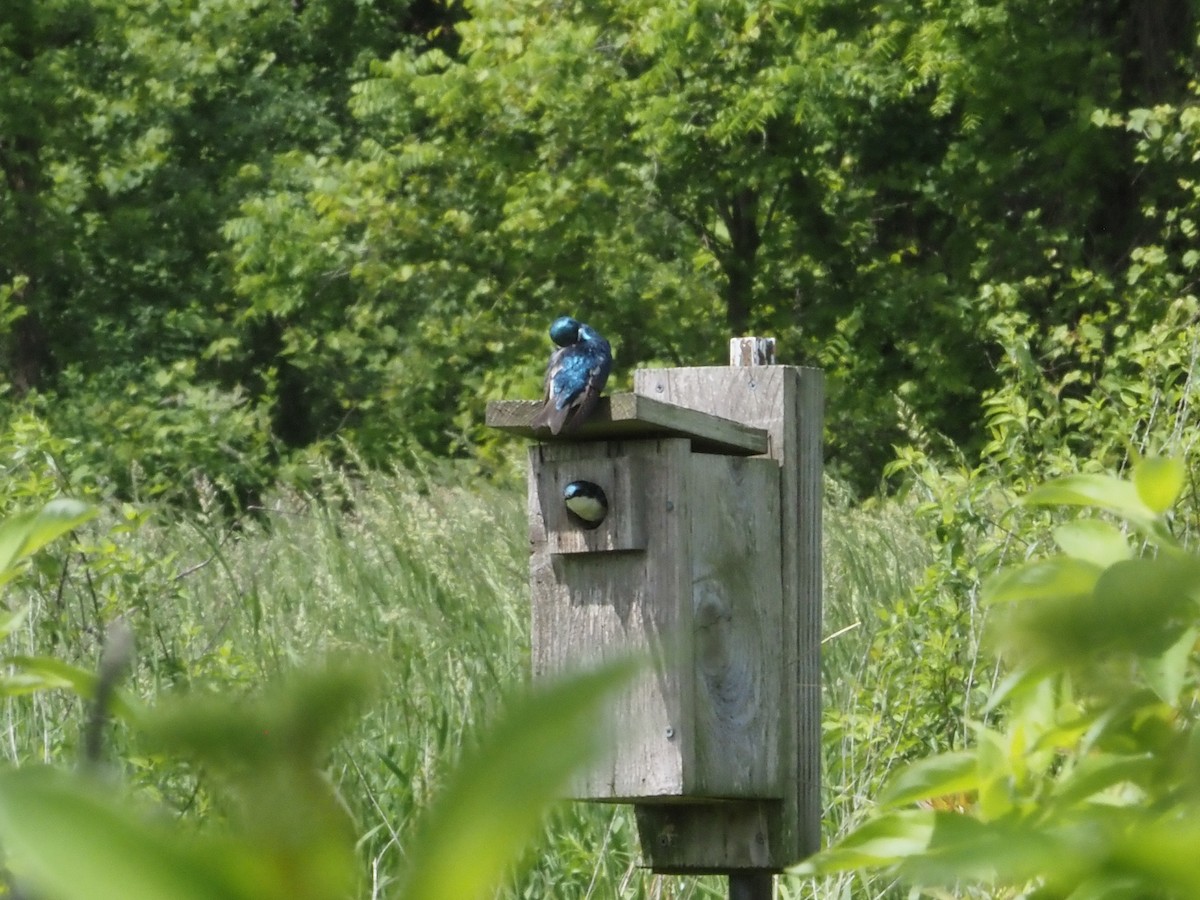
(262, 263)
(235, 232)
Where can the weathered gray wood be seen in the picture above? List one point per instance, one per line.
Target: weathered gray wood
(694, 587)
(752, 351)
(589, 607)
(737, 606)
(556, 466)
(735, 835)
(751, 886)
(635, 417)
(682, 572)
(789, 403)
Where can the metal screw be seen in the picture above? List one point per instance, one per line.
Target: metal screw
(670, 733)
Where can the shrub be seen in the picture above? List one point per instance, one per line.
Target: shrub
(1090, 786)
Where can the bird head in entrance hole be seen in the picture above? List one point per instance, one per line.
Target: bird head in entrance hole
(587, 502)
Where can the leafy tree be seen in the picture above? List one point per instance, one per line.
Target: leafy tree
(876, 186)
(124, 131)
(355, 218)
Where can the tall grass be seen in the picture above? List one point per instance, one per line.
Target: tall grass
(426, 577)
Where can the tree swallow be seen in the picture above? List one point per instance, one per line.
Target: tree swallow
(587, 501)
(575, 376)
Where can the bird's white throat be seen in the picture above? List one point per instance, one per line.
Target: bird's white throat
(587, 508)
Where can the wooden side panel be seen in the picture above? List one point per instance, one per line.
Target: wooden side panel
(789, 403)
(737, 610)
(595, 606)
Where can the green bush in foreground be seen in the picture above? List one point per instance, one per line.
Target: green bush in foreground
(285, 830)
(1091, 787)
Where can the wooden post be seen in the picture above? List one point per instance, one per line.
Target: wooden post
(751, 886)
(751, 351)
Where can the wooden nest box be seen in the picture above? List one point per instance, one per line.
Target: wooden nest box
(706, 563)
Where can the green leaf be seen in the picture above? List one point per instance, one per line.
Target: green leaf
(1166, 673)
(11, 621)
(1138, 607)
(1159, 481)
(1098, 492)
(935, 776)
(996, 787)
(71, 842)
(268, 753)
(501, 790)
(885, 840)
(1058, 577)
(1094, 541)
(293, 721)
(1145, 604)
(1006, 852)
(1163, 853)
(47, 673)
(54, 520)
(1100, 771)
(24, 534)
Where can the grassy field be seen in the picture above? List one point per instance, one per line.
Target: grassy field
(426, 577)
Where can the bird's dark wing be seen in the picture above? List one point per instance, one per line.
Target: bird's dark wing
(566, 377)
(552, 367)
(587, 399)
(599, 364)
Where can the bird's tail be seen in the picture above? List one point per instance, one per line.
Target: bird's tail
(580, 413)
(550, 416)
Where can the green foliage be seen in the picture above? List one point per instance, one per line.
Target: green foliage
(151, 434)
(352, 219)
(23, 535)
(504, 785)
(127, 128)
(286, 832)
(64, 835)
(1089, 785)
(901, 208)
(291, 839)
(227, 617)
(32, 461)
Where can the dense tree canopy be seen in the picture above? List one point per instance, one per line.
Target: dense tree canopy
(294, 222)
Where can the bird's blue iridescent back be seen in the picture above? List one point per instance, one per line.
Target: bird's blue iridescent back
(575, 376)
(578, 366)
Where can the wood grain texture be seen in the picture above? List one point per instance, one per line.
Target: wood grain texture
(789, 403)
(693, 586)
(708, 838)
(737, 608)
(589, 607)
(556, 466)
(634, 417)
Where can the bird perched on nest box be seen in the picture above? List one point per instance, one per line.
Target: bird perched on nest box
(575, 376)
